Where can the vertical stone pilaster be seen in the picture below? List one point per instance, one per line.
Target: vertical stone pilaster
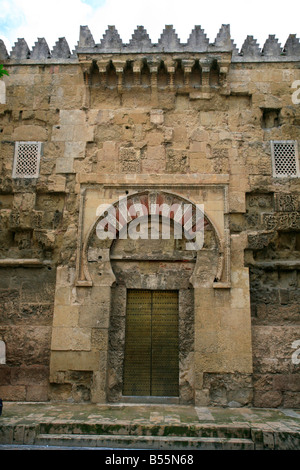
(171, 72)
(137, 67)
(205, 73)
(205, 339)
(187, 66)
(102, 65)
(120, 65)
(154, 91)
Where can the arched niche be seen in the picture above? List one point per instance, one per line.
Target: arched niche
(96, 253)
(152, 265)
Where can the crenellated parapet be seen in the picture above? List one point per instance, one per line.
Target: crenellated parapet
(61, 50)
(20, 51)
(3, 51)
(140, 43)
(271, 51)
(39, 54)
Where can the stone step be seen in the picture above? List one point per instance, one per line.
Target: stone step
(230, 431)
(144, 442)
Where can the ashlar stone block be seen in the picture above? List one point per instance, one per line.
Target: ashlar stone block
(64, 165)
(71, 339)
(30, 133)
(75, 150)
(74, 360)
(157, 116)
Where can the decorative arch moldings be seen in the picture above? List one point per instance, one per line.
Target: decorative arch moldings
(145, 199)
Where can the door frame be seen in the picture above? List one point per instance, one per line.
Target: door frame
(116, 349)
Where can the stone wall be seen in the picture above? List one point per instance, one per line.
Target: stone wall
(26, 316)
(273, 257)
(192, 120)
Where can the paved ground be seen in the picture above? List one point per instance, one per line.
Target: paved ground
(18, 415)
(35, 413)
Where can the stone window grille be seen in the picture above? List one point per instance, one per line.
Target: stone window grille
(285, 158)
(27, 159)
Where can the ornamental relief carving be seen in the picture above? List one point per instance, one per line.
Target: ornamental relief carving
(282, 221)
(260, 240)
(287, 202)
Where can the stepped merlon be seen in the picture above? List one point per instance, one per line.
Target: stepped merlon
(111, 43)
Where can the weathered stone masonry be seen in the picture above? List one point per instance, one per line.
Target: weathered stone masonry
(169, 122)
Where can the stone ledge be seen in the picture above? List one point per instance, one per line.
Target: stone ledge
(222, 285)
(286, 264)
(33, 263)
(153, 180)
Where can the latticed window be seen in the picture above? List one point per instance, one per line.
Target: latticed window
(27, 159)
(285, 158)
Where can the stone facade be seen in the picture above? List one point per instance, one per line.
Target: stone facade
(166, 123)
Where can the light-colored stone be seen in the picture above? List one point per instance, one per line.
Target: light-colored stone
(151, 135)
(2, 353)
(2, 92)
(30, 133)
(71, 339)
(157, 116)
(64, 165)
(75, 150)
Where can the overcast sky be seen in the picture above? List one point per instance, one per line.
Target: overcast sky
(52, 19)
